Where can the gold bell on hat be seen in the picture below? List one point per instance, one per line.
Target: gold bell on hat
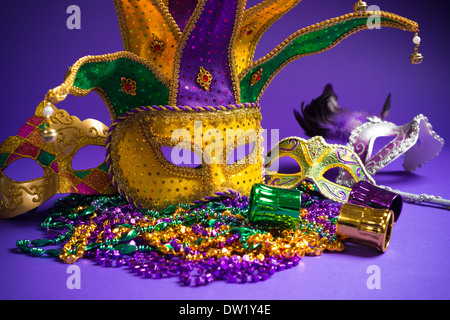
(416, 58)
(365, 226)
(360, 7)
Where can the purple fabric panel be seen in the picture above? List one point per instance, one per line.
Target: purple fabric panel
(25, 130)
(181, 11)
(83, 188)
(207, 47)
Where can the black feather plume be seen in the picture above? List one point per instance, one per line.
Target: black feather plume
(324, 117)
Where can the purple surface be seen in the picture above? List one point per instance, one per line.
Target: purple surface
(38, 49)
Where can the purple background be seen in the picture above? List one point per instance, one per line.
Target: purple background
(38, 49)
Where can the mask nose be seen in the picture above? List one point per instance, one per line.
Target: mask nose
(217, 176)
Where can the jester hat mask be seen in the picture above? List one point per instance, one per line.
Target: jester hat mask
(185, 79)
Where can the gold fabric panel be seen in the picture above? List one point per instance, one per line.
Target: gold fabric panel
(149, 31)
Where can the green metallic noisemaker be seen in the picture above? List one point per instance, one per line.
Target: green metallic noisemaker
(274, 208)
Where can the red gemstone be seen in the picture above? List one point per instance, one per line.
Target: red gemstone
(249, 32)
(258, 78)
(128, 87)
(157, 47)
(205, 78)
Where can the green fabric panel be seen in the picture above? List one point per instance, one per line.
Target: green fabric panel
(104, 167)
(107, 76)
(308, 43)
(45, 158)
(82, 174)
(3, 157)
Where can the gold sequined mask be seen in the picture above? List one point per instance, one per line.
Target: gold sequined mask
(150, 178)
(18, 197)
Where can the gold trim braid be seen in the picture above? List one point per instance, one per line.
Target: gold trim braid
(397, 22)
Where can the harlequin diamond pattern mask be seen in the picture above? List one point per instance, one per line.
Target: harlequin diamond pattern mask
(17, 197)
(191, 60)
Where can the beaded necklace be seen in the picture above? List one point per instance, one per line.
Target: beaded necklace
(197, 243)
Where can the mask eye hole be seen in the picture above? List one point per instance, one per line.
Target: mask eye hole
(345, 176)
(24, 169)
(90, 156)
(379, 143)
(285, 165)
(181, 157)
(332, 174)
(239, 154)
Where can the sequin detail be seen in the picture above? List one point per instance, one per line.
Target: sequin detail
(204, 78)
(128, 86)
(157, 46)
(256, 77)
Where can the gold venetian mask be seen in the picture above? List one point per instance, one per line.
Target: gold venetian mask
(17, 197)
